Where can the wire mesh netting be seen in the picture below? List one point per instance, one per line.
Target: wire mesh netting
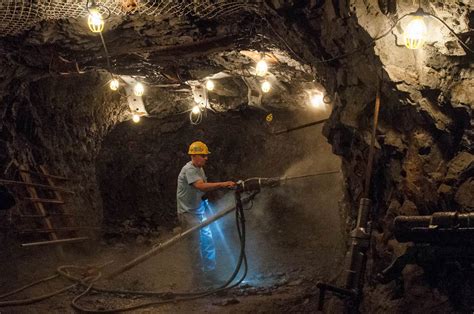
(19, 15)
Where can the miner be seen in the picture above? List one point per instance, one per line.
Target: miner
(192, 185)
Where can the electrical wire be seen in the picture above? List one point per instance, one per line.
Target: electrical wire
(106, 51)
(176, 297)
(107, 56)
(166, 297)
(452, 32)
(195, 118)
(29, 285)
(36, 299)
(93, 4)
(388, 32)
(368, 45)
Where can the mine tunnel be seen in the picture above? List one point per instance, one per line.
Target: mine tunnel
(236, 156)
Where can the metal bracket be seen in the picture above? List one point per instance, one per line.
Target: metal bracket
(254, 94)
(134, 102)
(199, 94)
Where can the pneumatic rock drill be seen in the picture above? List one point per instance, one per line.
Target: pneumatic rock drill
(352, 292)
(256, 184)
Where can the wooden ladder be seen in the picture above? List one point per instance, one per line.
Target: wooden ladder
(55, 224)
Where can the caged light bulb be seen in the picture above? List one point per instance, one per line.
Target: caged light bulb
(138, 89)
(317, 100)
(114, 84)
(262, 68)
(415, 33)
(136, 118)
(210, 85)
(95, 21)
(266, 86)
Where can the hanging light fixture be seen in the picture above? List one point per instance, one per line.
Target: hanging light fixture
(262, 67)
(136, 118)
(95, 21)
(196, 110)
(114, 84)
(266, 86)
(138, 89)
(210, 85)
(415, 32)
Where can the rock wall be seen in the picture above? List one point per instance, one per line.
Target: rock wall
(424, 152)
(424, 161)
(58, 121)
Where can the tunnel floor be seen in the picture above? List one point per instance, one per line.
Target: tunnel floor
(288, 250)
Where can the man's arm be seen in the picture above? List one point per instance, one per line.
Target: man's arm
(211, 186)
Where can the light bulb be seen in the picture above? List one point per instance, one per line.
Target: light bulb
(210, 85)
(136, 118)
(261, 68)
(95, 21)
(266, 86)
(138, 89)
(196, 110)
(415, 33)
(114, 84)
(317, 100)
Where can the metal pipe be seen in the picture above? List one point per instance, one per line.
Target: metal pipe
(310, 175)
(44, 186)
(368, 170)
(52, 230)
(441, 228)
(360, 235)
(299, 127)
(43, 200)
(61, 241)
(359, 246)
(48, 215)
(161, 246)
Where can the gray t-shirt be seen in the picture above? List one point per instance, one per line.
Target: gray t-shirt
(188, 198)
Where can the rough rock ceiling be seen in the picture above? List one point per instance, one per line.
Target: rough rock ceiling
(171, 43)
(167, 46)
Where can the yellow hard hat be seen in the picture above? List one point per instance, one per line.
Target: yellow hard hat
(198, 148)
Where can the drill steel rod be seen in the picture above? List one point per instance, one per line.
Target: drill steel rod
(299, 127)
(161, 246)
(368, 170)
(310, 175)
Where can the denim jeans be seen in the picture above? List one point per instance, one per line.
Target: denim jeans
(201, 242)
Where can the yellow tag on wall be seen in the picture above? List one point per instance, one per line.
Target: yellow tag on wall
(269, 117)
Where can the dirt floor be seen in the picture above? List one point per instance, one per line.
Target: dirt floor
(290, 247)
